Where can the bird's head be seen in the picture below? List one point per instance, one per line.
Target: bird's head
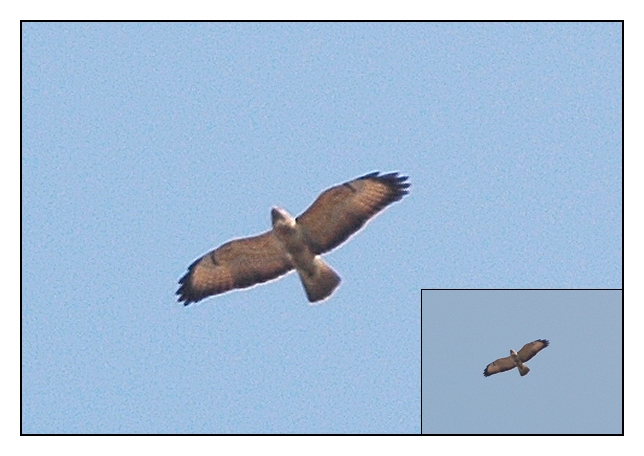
(280, 217)
(512, 352)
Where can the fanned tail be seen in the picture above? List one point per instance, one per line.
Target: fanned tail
(322, 283)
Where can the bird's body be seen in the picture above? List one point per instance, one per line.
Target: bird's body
(318, 278)
(523, 369)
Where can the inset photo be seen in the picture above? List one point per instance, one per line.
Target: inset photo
(526, 362)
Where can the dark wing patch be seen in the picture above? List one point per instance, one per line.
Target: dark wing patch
(531, 349)
(342, 210)
(500, 365)
(239, 263)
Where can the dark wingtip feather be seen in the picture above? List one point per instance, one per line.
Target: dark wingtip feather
(394, 181)
(185, 291)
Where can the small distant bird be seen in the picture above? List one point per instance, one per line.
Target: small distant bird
(295, 243)
(516, 359)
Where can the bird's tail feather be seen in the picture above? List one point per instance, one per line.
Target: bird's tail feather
(321, 283)
(524, 370)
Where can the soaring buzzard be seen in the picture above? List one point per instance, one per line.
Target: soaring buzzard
(516, 359)
(295, 243)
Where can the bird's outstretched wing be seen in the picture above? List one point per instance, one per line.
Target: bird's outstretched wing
(239, 263)
(531, 349)
(342, 210)
(500, 365)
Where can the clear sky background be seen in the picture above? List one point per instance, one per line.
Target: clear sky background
(574, 385)
(146, 145)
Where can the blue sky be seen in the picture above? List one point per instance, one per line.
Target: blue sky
(145, 145)
(574, 385)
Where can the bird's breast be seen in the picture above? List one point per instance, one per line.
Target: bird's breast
(295, 244)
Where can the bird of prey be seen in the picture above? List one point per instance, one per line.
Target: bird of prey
(295, 243)
(516, 359)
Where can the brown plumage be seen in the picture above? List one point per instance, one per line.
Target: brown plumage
(295, 243)
(517, 359)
